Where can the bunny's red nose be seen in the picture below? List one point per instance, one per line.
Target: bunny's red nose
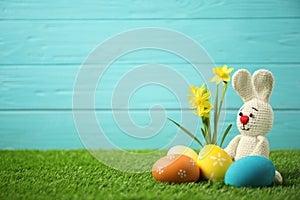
(244, 119)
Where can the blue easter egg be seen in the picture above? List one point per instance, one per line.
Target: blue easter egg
(250, 171)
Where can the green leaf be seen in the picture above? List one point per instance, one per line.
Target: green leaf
(225, 134)
(186, 131)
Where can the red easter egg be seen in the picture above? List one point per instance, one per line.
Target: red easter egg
(176, 168)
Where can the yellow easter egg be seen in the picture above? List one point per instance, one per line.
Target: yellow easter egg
(184, 151)
(213, 162)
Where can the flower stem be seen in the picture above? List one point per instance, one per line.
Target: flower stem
(216, 119)
(204, 133)
(208, 131)
(222, 98)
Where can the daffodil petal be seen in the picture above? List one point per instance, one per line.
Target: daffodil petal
(206, 96)
(207, 105)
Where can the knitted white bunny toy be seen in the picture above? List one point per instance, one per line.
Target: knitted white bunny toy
(255, 117)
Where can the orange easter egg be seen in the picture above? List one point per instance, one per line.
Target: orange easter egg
(176, 168)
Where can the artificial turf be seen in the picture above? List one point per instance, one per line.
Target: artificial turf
(76, 174)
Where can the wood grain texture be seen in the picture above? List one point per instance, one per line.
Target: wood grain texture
(228, 40)
(52, 129)
(43, 44)
(155, 9)
(51, 87)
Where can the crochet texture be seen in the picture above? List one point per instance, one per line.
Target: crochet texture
(255, 117)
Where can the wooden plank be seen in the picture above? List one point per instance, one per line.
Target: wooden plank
(225, 40)
(51, 87)
(56, 130)
(155, 9)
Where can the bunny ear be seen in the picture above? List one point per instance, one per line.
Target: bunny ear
(263, 82)
(241, 82)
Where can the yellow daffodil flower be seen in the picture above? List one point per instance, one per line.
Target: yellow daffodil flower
(222, 74)
(200, 100)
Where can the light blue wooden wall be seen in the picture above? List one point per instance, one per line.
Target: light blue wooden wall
(44, 43)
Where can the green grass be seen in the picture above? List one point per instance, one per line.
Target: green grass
(76, 174)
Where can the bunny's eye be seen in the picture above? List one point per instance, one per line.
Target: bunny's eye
(251, 115)
(240, 114)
